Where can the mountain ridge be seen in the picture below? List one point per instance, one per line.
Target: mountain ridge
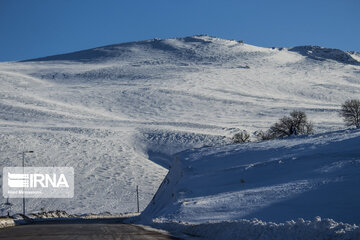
(121, 49)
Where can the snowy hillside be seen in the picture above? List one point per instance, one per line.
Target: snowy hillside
(275, 181)
(104, 111)
(213, 192)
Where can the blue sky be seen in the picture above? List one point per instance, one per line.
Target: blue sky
(37, 28)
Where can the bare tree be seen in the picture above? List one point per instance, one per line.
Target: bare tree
(295, 124)
(241, 137)
(350, 111)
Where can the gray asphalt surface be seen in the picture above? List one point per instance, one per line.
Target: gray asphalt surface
(81, 231)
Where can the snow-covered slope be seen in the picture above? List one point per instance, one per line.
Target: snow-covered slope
(274, 181)
(103, 111)
(213, 192)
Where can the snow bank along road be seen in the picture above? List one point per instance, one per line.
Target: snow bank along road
(267, 190)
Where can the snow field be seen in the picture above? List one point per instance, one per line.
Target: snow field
(105, 111)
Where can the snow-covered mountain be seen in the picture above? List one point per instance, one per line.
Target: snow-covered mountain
(105, 111)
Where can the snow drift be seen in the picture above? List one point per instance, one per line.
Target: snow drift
(275, 181)
(317, 229)
(210, 192)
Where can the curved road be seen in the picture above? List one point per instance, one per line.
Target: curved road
(81, 231)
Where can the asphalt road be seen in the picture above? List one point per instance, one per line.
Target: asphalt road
(81, 231)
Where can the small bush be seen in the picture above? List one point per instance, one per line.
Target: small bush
(295, 124)
(350, 111)
(241, 137)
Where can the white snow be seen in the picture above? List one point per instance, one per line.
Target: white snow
(273, 181)
(105, 111)
(211, 192)
(6, 222)
(254, 229)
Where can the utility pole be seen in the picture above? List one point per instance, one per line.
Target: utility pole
(137, 198)
(8, 205)
(23, 165)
